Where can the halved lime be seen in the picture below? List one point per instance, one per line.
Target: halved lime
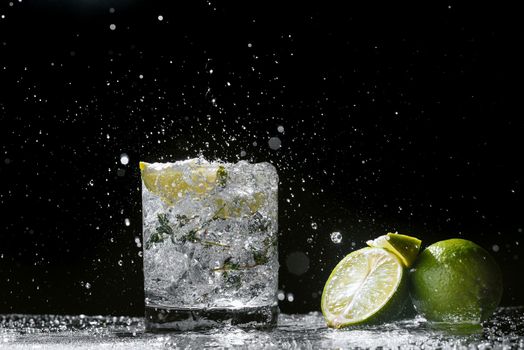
(367, 286)
(405, 247)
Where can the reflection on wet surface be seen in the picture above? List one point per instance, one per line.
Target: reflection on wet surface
(504, 330)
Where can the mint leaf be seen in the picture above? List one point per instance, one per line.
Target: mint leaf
(221, 176)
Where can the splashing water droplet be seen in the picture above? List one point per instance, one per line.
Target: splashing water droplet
(124, 159)
(314, 225)
(274, 143)
(336, 237)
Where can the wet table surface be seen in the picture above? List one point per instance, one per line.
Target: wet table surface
(505, 330)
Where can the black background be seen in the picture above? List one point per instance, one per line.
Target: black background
(395, 119)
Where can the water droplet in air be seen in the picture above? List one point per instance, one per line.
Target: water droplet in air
(297, 263)
(112, 26)
(495, 248)
(290, 297)
(160, 18)
(336, 237)
(274, 143)
(280, 129)
(124, 159)
(88, 285)
(120, 263)
(281, 295)
(314, 225)
(127, 222)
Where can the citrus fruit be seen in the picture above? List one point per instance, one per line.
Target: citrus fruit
(239, 205)
(456, 281)
(405, 247)
(172, 184)
(367, 286)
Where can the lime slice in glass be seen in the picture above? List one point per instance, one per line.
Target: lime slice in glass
(239, 206)
(367, 286)
(405, 247)
(172, 184)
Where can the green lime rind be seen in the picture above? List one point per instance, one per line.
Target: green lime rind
(368, 286)
(405, 247)
(455, 281)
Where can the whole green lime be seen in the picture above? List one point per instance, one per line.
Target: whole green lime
(456, 281)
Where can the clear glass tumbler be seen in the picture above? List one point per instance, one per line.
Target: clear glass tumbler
(210, 244)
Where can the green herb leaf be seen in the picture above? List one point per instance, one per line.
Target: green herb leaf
(221, 176)
(260, 257)
(164, 227)
(183, 220)
(229, 265)
(154, 238)
(191, 236)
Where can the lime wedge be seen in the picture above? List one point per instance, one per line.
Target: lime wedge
(367, 286)
(405, 247)
(239, 206)
(172, 184)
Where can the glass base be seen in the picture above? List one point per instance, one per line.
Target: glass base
(162, 319)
